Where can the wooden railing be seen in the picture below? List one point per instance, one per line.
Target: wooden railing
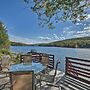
(44, 58)
(36, 56)
(78, 69)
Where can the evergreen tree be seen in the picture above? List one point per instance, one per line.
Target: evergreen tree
(4, 40)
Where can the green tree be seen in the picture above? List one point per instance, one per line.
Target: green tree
(4, 40)
(52, 11)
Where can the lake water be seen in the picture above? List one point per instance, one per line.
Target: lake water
(60, 53)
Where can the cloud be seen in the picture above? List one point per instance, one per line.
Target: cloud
(62, 38)
(79, 23)
(50, 38)
(84, 24)
(87, 28)
(81, 35)
(21, 39)
(67, 28)
(56, 37)
(39, 39)
(44, 38)
(69, 32)
(84, 33)
(80, 32)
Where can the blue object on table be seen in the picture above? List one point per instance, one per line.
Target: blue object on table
(36, 67)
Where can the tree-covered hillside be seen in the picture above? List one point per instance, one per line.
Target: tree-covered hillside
(19, 44)
(83, 42)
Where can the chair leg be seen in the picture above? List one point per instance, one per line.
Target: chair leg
(59, 88)
(40, 82)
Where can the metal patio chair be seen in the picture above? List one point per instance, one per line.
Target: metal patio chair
(36, 57)
(48, 61)
(49, 79)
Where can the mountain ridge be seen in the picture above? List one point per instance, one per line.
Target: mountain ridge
(81, 42)
(19, 44)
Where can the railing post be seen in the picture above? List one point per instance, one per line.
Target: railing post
(66, 65)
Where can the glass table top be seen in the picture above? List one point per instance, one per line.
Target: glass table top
(36, 67)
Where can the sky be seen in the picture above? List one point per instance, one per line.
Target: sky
(22, 25)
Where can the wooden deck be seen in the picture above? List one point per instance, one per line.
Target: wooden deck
(4, 79)
(75, 77)
(64, 82)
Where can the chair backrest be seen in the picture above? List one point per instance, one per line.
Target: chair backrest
(36, 57)
(26, 58)
(48, 59)
(45, 59)
(78, 69)
(22, 80)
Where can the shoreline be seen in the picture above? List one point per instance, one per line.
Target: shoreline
(51, 46)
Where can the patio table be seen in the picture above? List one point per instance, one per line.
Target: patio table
(34, 66)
